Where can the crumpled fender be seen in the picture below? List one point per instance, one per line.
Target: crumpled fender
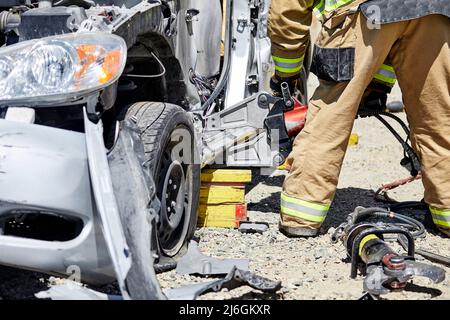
(106, 202)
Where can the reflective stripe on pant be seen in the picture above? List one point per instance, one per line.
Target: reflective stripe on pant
(386, 75)
(288, 65)
(441, 218)
(305, 210)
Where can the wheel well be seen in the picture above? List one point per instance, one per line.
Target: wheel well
(170, 87)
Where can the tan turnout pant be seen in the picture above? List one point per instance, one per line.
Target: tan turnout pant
(419, 52)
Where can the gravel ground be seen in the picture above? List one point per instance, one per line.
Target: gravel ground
(309, 269)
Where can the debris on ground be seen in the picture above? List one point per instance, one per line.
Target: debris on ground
(70, 290)
(235, 278)
(62, 289)
(253, 227)
(194, 262)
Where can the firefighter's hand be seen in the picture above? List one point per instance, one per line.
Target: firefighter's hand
(374, 98)
(276, 81)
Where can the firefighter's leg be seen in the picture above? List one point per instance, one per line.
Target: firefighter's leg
(422, 64)
(320, 148)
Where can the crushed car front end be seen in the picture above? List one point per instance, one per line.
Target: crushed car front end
(55, 177)
(48, 216)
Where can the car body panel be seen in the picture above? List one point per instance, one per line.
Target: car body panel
(50, 166)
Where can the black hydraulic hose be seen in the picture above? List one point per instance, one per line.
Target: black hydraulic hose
(375, 113)
(386, 213)
(396, 135)
(358, 215)
(420, 229)
(406, 147)
(426, 254)
(392, 116)
(415, 224)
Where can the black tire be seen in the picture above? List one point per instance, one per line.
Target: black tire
(164, 128)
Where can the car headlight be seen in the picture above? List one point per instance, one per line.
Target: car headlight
(60, 67)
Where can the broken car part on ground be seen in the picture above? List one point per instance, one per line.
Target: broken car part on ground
(194, 262)
(235, 278)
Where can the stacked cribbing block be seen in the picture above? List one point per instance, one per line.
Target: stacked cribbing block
(222, 197)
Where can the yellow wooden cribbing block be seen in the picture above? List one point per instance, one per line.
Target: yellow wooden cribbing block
(222, 197)
(222, 215)
(218, 194)
(226, 175)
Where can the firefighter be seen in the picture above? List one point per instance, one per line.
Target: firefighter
(364, 46)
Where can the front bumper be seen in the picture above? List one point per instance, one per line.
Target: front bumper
(46, 169)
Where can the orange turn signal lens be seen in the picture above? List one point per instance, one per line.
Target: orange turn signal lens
(111, 65)
(94, 57)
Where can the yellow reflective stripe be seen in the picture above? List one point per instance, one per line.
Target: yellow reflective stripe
(305, 210)
(328, 5)
(445, 212)
(319, 9)
(441, 217)
(333, 4)
(288, 65)
(442, 223)
(301, 215)
(386, 74)
(385, 79)
(342, 3)
(387, 67)
(288, 70)
(311, 205)
(364, 241)
(318, 14)
(288, 60)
